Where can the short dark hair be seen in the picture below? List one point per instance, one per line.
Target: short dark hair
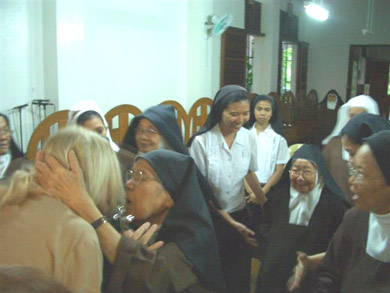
(88, 115)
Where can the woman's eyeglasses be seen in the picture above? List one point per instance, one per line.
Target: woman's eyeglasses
(146, 131)
(138, 176)
(304, 173)
(358, 177)
(6, 131)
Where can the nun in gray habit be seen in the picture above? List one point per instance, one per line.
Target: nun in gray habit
(189, 260)
(294, 221)
(163, 117)
(358, 257)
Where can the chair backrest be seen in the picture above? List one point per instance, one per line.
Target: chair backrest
(182, 117)
(287, 104)
(118, 119)
(277, 100)
(198, 115)
(48, 126)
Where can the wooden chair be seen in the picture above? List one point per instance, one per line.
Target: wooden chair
(118, 120)
(287, 105)
(48, 126)
(182, 117)
(198, 115)
(301, 108)
(312, 96)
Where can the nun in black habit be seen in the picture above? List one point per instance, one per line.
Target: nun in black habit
(302, 215)
(327, 114)
(358, 257)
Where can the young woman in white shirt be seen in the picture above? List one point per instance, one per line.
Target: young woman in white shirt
(272, 149)
(226, 154)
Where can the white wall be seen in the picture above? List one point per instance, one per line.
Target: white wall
(21, 69)
(126, 52)
(144, 52)
(330, 41)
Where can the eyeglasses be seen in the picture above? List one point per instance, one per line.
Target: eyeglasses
(304, 173)
(357, 176)
(6, 131)
(146, 131)
(138, 176)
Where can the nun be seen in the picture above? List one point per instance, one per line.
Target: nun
(89, 115)
(303, 213)
(272, 149)
(226, 154)
(352, 135)
(11, 158)
(335, 155)
(162, 189)
(327, 114)
(360, 127)
(358, 257)
(157, 128)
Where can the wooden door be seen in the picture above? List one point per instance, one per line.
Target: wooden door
(377, 76)
(303, 53)
(233, 57)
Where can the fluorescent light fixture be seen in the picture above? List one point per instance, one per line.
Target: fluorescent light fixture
(316, 11)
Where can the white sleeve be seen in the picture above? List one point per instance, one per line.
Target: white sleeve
(253, 149)
(198, 152)
(283, 155)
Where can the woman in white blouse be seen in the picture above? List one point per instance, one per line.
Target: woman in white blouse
(226, 154)
(272, 149)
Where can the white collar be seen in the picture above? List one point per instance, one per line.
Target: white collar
(302, 206)
(5, 160)
(269, 131)
(218, 139)
(331, 105)
(378, 239)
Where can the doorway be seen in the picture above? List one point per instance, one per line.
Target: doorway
(369, 74)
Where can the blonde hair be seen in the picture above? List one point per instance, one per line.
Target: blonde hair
(97, 160)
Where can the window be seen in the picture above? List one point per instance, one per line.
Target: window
(249, 63)
(388, 84)
(286, 67)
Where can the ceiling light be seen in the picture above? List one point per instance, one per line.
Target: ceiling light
(316, 11)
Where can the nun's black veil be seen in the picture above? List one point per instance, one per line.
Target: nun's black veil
(275, 119)
(188, 223)
(15, 152)
(332, 91)
(164, 119)
(364, 125)
(225, 96)
(380, 146)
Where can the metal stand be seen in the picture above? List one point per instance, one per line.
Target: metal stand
(41, 104)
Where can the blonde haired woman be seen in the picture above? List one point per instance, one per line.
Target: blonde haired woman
(39, 231)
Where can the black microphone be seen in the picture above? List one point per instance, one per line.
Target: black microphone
(20, 107)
